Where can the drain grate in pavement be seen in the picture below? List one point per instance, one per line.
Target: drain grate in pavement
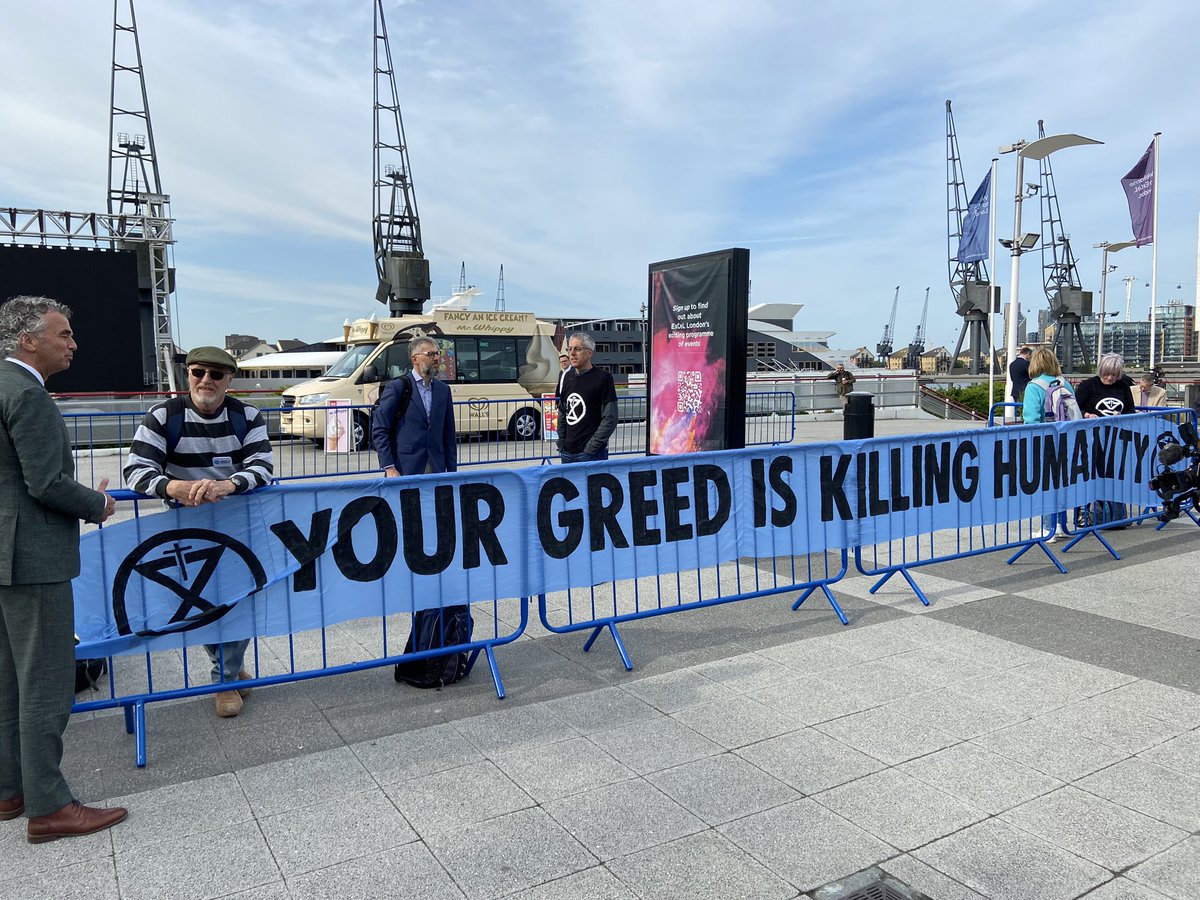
(869, 884)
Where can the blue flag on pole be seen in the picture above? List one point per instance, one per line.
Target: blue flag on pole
(973, 242)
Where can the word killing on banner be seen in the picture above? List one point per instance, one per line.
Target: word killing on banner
(1027, 465)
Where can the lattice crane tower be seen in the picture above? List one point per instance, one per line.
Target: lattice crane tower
(135, 197)
(1069, 302)
(969, 281)
(399, 257)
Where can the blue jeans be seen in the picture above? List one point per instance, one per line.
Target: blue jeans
(233, 654)
(581, 456)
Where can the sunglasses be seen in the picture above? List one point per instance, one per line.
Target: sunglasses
(214, 374)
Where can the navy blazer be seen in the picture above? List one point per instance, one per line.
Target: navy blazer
(419, 441)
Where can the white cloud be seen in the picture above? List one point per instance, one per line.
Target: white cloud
(575, 143)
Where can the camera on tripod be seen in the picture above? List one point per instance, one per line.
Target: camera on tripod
(1176, 487)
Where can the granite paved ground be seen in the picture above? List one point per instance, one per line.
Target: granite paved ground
(1029, 735)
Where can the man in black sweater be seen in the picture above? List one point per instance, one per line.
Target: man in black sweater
(587, 405)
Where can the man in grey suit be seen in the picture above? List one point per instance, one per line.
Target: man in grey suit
(41, 504)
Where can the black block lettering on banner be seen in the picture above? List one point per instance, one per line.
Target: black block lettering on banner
(642, 508)
(708, 520)
(306, 550)
(477, 532)
(675, 503)
(386, 537)
(602, 517)
(571, 519)
(420, 562)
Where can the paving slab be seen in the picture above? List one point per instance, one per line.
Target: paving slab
(1004, 863)
(899, 809)
(622, 818)
(705, 866)
(806, 844)
(1096, 829)
(1175, 872)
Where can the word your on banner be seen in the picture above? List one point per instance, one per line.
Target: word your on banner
(294, 557)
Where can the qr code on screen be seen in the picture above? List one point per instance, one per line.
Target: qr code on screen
(690, 391)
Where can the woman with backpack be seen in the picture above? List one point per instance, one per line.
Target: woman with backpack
(1045, 377)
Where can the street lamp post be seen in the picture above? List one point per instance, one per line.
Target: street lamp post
(1108, 248)
(1039, 149)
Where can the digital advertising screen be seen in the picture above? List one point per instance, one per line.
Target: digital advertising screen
(696, 383)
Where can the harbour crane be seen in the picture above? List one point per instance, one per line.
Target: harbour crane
(917, 347)
(969, 282)
(884, 348)
(136, 198)
(400, 259)
(1069, 302)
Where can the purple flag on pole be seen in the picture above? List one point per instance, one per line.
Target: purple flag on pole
(1139, 191)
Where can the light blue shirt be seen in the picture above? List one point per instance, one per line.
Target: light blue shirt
(425, 392)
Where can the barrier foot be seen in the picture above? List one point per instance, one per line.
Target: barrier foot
(1050, 556)
(1025, 549)
(920, 593)
(1079, 537)
(128, 710)
(828, 596)
(881, 582)
(139, 718)
(616, 640)
(491, 658)
(471, 661)
(833, 602)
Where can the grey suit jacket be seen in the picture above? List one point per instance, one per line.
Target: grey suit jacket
(41, 503)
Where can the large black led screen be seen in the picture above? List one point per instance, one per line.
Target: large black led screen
(101, 287)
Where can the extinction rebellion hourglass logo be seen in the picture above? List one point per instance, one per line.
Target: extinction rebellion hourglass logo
(184, 562)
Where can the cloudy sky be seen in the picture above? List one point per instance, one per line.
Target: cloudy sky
(576, 142)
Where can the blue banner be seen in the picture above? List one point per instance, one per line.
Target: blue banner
(976, 224)
(294, 557)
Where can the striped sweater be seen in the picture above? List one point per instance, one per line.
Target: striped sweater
(208, 448)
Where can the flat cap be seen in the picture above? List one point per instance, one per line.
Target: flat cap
(212, 356)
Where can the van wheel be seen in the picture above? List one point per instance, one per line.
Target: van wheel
(362, 431)
(526, 425)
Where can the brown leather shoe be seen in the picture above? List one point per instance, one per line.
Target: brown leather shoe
(244, 676)
(10, 809)
(73, 820)
(229, 704)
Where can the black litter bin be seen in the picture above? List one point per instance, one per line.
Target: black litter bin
(858, 420)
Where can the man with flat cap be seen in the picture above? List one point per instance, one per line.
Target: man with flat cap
(41, 504)
(198, 449)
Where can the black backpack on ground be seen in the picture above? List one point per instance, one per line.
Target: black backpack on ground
(432, 628)
(88, 673)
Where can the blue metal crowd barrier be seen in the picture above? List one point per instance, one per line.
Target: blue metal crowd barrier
(603, 607)
(1021, 535)
(135, 680)
(597, 606)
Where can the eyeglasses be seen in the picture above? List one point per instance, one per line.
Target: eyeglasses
(578, 350)
(214, 374)
(431, 353)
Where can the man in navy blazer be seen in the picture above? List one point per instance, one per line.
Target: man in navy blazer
(421, 439)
